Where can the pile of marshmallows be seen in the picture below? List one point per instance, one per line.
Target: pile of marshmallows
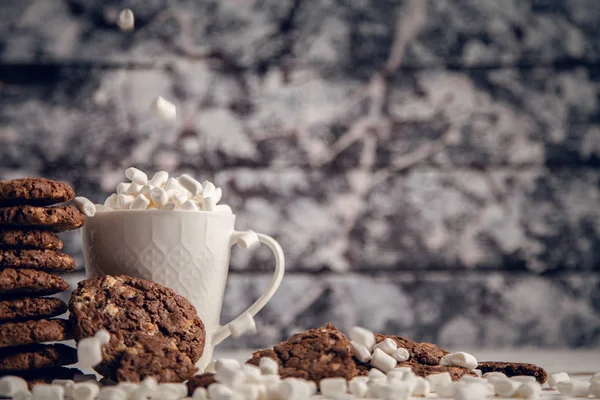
(159, 192)
(575, 388)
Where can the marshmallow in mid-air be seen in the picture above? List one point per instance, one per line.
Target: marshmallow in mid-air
(383, 361)
(243, 324)
(9, 385)
(363, 336)
(126, 20)
(89, 352)
(164, 109)
(85, 206)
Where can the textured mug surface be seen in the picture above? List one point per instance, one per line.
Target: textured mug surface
(187, 251)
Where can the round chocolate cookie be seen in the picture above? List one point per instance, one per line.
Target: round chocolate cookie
(26, 308)
(34, 191)
(150, 325)
(30, 281)
(36, 356)
(55, 219)
(45, 260)
(30, 332)
(514, 369)
(29, 239)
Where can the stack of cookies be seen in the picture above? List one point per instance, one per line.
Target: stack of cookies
(30, 264)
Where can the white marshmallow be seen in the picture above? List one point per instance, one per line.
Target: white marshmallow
(179, 199)
(388, 346)
(494, 375)
(103, 336)
(422, 387)
(361, 353)
(111, 201)
(85, 391)
(190, 184)
(134, 189)
(377, 388)
(164, 109)
(169, 206)
(226, 363)
(397, 390)
(141, 393)
(67, 384)
(124, 201)
(218, 391)
(462, 359)
(170, 391)
(217, 195)
(126, 20)
(333, 387)
(208, 204)
(85, 206)
(174, 184)
(47, 392)
(11, 384)
(595, 377)
(530, 390)
(89, 352)
(523, 378)
(100, 207)
(295, 389)
(230, 376)
(243, 324)
(438, 380)
(247, 392)
(445, 360)
(382, 361)
(594, 389)
(252, 373)
(128, 387)
(447, 391)
(505, 387)
(123, 187)
(268, 366)
(478, 372)
(147, 191)
(200, 394)
(363, 336)
(190, 205)
(223, 208)
(22, 395)
(358, 387)
(136, 176)
(141, 202)
(400, 354)
(374, 373)
(553, 379)
(208, 188)
(112, 393)
(159, 179)
(574, 388)
(395, 374)
(159, 197)
(470, 392)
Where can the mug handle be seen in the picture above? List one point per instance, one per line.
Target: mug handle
(247, 240)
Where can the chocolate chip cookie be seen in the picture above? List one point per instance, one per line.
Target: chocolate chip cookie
(30, 332)
(514, 369)
(313, 355)
(30, 281)
(36, 356)
(55, 219)
(45, 260)
(157, 357)
(26, 308)
(140, 315)
(29, 239)
(34, 191)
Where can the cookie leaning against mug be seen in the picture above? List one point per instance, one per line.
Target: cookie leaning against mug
(34, 191)
(146, 321)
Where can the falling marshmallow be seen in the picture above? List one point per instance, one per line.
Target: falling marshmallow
(164, 109)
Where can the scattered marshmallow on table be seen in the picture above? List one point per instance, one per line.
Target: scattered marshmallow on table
(22, 395)
(438, 380)
(47, 392)
(422, 387)
(9, 385)
(358, 387)
(574, 388)
(388, 346)
(505, 387)
(268, 366)
(164, 109)
(333, 387)
(594, 389)
(85, 391)
(361, 353)
(595, 377)
(530, 390)
(113, 393)
(383, 361)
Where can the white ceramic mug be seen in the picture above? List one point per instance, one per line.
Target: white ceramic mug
(187, 251)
